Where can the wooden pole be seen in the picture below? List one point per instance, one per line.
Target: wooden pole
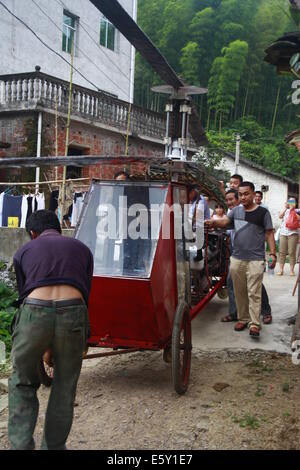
(63, 195)
(276, 109)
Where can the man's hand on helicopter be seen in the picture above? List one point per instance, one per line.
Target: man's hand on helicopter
(221, 223)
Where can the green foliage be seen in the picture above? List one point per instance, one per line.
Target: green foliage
(221, 44)
(189, 62)
(286, 387)
(247, 421)
(229, 75)
(259, 146)
(7, 311)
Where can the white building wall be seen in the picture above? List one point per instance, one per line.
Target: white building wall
(21, 51)
(277, 195)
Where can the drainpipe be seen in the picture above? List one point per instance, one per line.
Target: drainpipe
(132, 62)
(38, 151)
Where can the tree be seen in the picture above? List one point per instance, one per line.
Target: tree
(189, 62)
(226, 83)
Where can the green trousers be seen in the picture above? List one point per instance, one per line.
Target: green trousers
(37, 329)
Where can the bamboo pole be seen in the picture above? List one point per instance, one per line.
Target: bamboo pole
(43, 182)
(276, 109)
(246, 98)
(208, 118)
(63, 189)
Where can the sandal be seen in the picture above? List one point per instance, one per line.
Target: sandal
(240, 326)
(267, 319)
(228, 319)
(254, 331)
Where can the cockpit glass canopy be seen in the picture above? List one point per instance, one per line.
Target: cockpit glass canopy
(121, 224)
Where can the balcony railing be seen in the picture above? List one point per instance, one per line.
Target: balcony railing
(36, 89)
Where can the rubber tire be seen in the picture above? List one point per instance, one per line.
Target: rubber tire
(45, 378)
(181, 368)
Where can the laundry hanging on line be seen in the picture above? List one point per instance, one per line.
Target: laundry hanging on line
(11, 211)
(15, 210)
(73, 213)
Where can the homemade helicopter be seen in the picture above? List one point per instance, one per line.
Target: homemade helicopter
(148, 283)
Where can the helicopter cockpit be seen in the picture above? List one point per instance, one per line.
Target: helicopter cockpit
(121, 226)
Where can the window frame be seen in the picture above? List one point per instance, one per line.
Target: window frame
(108, 24)
(73, 30)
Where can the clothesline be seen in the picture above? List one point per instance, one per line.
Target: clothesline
(44, 182)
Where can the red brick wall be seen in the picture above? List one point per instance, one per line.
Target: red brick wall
(88, 139)
(91, 140)
(12, 131)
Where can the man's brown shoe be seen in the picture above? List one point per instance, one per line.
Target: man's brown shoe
(240, 326)
(254, 331)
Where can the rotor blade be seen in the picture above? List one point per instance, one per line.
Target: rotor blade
(128, 27)
(195, 127)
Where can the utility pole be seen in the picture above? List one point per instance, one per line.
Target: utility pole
(38, 151)
(237, 153)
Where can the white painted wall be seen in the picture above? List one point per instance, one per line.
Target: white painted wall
(277, 195)
(20, 51)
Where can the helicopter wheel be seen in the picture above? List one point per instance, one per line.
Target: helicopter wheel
(181, 348)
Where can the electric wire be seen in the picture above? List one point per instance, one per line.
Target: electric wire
(47, 46)
(59, 2)
(83, 53)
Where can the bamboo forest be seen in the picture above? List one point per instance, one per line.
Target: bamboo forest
(220, 44)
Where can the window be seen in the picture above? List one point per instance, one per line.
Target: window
(69, 30)
(107, 34)
(122, 238)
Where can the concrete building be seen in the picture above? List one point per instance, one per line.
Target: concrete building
(101, 53)
(99, 123)
(276, 188)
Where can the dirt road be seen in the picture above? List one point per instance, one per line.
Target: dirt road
(236, 400)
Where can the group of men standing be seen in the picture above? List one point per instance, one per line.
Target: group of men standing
(249, 225)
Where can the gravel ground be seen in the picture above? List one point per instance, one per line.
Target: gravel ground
(235, 400)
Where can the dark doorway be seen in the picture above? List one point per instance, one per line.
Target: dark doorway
(74, 172)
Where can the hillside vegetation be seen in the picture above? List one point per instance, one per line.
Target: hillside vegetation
(220, 44)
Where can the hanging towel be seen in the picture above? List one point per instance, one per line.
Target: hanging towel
(11, 209)
(40, 199)
(24, 210)
(77, 207)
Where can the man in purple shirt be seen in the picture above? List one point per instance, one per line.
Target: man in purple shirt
(54, 276)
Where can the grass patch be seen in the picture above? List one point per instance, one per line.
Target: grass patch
(260, 366)
(247, 421)
(7, 312)
(286, 387)
(259, 392)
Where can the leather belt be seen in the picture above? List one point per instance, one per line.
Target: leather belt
(54, 303)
